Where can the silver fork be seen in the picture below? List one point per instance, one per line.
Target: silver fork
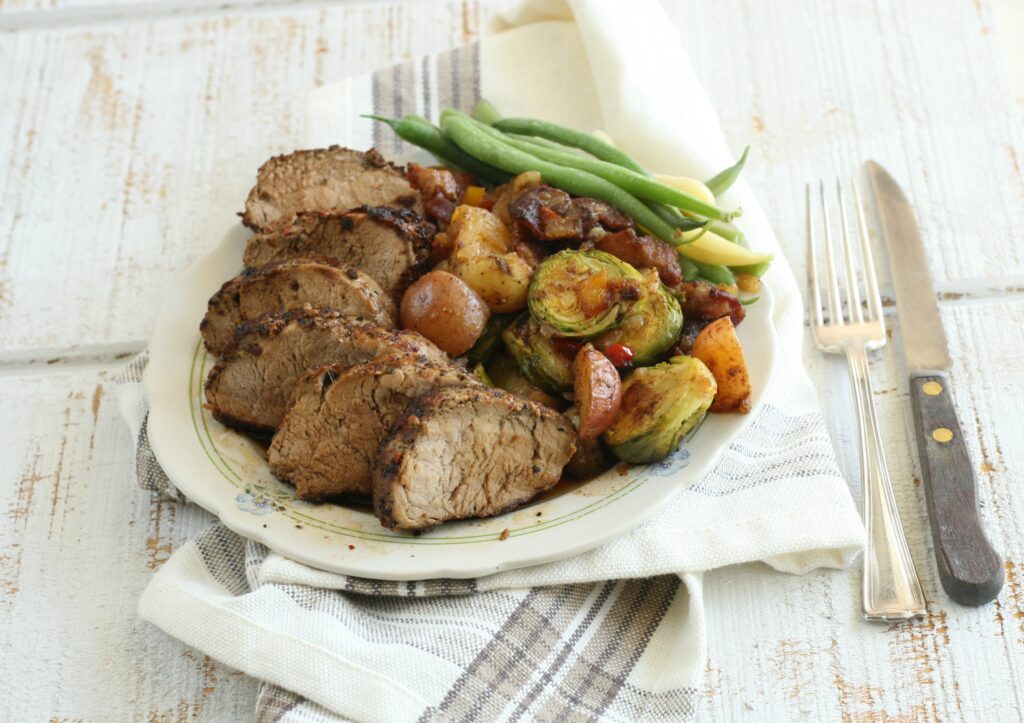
(892, 590)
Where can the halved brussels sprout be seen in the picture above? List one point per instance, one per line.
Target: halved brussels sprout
(480, 374)
(651, 327)
(583, 293)
(505, 374)
(490, 338)
(538, 358)
(660, 404)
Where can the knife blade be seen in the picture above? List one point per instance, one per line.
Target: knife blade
(924, 339)
(970, 570)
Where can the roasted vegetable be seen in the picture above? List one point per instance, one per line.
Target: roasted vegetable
(480, 374)
(719, 348)
(482, 256)
(598, 391)
(583, 293)
(538, 358)
(490, 339)
(506, 375)
(446, 310)
(590, 458)
(660, 404)
(651, 327)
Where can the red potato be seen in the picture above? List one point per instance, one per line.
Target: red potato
(598, 391)
(443, 308)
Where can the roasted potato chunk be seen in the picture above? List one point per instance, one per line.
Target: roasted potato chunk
(482, 255)
(598, 391)
(719, 348)
(501, 279)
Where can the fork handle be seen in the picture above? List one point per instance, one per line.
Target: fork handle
(970, 570)
(892, 590)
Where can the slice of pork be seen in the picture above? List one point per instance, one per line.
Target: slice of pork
(467, 451)
(249, 388)
(324, 180)
(338, 417)
(288, 285)
(390, 245)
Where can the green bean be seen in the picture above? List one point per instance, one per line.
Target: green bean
(721, 183)
(715, 274)
(666, 213)
(419, 132)
(753, 269)
(474, 139)
(485, 112)
(571, 137)
(636, 184)
(690, 270)
(728, 232)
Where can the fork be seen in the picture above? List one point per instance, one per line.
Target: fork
(892, 590)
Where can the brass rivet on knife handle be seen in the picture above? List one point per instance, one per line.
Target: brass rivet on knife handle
(942, 435)
(931, 388)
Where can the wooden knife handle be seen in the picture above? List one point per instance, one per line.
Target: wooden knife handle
(970, 570)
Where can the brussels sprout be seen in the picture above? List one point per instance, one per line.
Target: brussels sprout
(583, 293)
(651, 327)
(505, 374)
(489, 339)
(660, 404)
(536, 355)
(480, 374)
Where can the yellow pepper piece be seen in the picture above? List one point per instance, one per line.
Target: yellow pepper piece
(474, 196)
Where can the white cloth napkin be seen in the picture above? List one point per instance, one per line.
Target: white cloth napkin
(557, 641)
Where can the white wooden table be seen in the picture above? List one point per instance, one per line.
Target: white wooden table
(128, 128)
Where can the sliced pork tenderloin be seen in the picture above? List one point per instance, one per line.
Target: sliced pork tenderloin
(390, 245)
(249, 388)
(288, 285)
(467, 451)
(322, 180)
(338, 417)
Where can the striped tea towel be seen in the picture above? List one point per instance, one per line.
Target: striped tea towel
(616, 633)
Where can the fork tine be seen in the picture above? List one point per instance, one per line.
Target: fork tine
(852, 290)
(874, 298)
(835, 305)
(812, 265)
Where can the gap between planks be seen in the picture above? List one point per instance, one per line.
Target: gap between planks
(75, 17)
(103, 356)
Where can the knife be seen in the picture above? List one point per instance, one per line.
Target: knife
(970, 570)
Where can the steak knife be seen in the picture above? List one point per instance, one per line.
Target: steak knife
(970, 570)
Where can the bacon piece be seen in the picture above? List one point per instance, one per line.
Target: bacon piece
(442, 189)
(548, 214)
(703, 300)
(643, 252)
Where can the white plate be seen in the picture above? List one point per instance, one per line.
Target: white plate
(227, 473)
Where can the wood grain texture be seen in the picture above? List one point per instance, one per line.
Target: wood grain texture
(128, 148)
(78, 543)
(785, 648)
(129, 136)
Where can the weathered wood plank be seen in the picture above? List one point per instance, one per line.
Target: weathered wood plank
(127, 148)
(819, 88)
(784, 647)
(179, 112)
(78, 543)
